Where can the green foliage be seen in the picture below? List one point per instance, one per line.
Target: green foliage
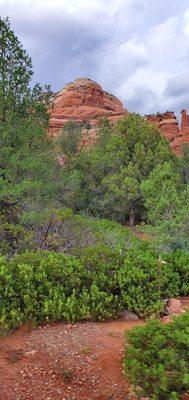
(105, 180)
(95, 284)
(185, 163)
(179, 260)
(59, 265)
(16, 95)
(29, 173)
(145, 281)
(49, 287)
(145, 147)
(29, 177)
(69, 139)
(121, 194)
(171, 230)
(15, 72)
(157, 359)
(61, 230)
(162, 204)
(13, 238)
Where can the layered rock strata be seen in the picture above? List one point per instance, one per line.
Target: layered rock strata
(83, 101)
(168, 125)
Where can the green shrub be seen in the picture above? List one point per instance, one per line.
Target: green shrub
(144, 283)
(37, 287)
(179, 260)
(157, 359)
(96, 284)
(10, 313)
(46, 286)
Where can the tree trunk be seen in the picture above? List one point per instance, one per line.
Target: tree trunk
(132, 217)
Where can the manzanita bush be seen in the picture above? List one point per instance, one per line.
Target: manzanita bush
(157, 359)
(97, 284)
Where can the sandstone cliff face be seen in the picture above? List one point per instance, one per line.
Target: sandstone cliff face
(83, 100)
(169, 127)
(167, 123)
(183, 136)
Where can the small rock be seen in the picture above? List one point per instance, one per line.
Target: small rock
(127, 315)
(51, 372)
(69, 326)
(166, 319)
(30, 353)
(174, 306)
(59, 391)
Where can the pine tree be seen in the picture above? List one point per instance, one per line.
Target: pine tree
(15, 73)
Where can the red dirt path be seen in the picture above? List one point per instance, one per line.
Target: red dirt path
(69, 362)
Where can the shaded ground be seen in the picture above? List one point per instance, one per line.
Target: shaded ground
(65, 362)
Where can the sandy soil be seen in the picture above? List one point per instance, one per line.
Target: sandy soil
(82, 361)
(64, 362)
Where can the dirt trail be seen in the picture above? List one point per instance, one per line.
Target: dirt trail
(82, 361)
(71, 362)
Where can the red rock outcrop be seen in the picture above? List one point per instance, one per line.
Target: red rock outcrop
(183, 136)
(169, 127)
(83, 100)
(167, 123)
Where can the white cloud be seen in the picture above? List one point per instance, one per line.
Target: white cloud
(166, 49)
(186, 22)
(137, 49)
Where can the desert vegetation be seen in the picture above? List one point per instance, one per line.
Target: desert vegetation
(67, 243)
(157, 357)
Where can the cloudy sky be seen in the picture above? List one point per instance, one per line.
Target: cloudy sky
(136, 49)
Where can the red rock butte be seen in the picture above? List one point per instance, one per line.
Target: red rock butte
(85, 101)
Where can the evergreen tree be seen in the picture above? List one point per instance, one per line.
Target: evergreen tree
(68, 140)
(28, 168)
(15, 72)
(162, 193)
(121, 195)
(109, 174)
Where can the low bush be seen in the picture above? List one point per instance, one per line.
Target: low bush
(145, 281)
(60, 230)
(96, 284)
(46, 286)
(179, 260)
(157, 359)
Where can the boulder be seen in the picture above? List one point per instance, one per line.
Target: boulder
(174, 306)
(127, 315)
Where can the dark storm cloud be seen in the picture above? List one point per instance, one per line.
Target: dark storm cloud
(133, 48)
(61, 46)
